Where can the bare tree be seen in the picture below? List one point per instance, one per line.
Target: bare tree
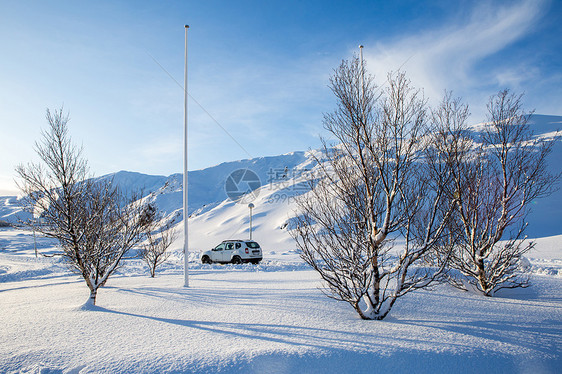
(497, 174)
(159, 237)
(92, 220)
(372, 187)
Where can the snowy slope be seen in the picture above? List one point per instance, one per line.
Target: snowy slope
(279, 178)
(270, 318)
(275, 205)
(545, 217)
(10, 209)
(206, 186)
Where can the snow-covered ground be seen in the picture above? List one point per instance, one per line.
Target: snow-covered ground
(270, 318)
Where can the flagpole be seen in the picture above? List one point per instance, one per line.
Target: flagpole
(362, 73)
(185, 212)
(362, 83)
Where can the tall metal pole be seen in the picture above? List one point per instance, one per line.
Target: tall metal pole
(361, 56)
(185, 213)
(362, 74)
(362, 83)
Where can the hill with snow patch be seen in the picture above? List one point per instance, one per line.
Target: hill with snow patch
(215, 217)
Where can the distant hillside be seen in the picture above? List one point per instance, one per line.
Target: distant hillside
(214, 217)
(545, 218)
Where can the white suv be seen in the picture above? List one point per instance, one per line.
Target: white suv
(234, 251)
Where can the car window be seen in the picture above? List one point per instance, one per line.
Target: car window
(238, 245)
(252, 245)
(229, 246)
(219, 247)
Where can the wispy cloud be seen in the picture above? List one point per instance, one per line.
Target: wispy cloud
(264, 107)
(446, 57)
(7, 186)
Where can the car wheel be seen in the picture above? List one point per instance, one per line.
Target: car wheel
(236, 260)
(206, 260)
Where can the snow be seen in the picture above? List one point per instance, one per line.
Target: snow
(544, 217)
(271, 317)
(282, 178)
(266, 318)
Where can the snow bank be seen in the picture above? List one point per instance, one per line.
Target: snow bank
(279, 322)
(267, 318)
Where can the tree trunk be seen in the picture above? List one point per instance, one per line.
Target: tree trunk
(92, 299)
(482, 280)
(369, 313)
(359, 311)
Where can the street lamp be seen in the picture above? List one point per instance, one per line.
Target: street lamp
(251, 206)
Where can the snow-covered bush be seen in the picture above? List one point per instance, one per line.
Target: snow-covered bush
(95, 224)
(496, 176)
(372, 185)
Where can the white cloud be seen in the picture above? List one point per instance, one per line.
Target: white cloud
(261, 105)
(516, 76)
(7, 186)
(445, 58)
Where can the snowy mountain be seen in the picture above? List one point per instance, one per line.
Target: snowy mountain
(544, 219)
(214, 216)
(275, 181)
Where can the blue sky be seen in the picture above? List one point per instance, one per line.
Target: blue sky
(259, 68)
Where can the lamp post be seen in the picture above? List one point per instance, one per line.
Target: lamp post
(185, 213)
(251, 206)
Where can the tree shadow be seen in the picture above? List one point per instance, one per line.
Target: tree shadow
(545, 337)
(299, 336)
(335, 350)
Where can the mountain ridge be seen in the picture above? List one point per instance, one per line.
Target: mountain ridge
(281, 178)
